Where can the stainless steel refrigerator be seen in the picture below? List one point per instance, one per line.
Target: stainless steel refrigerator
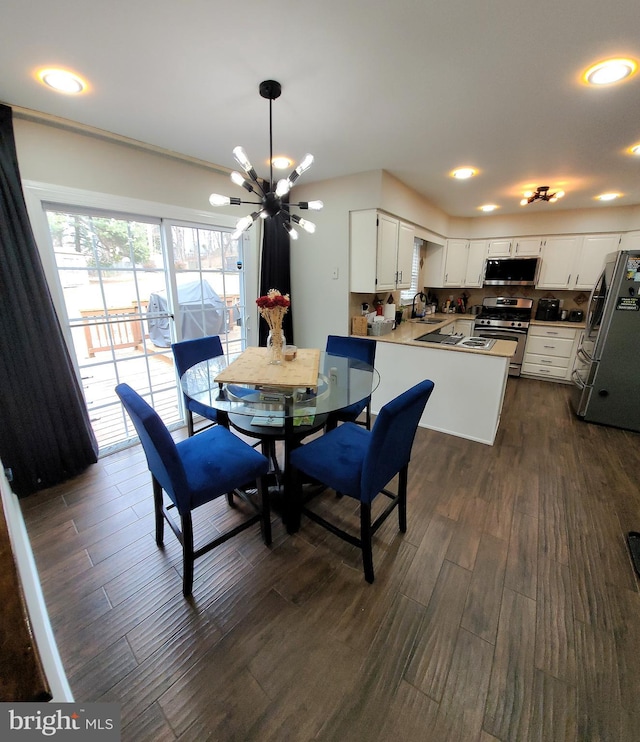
(608, 384)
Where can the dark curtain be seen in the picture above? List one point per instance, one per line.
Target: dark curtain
(275, 271)
(45, 433)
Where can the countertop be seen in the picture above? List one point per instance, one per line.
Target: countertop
(407, 332)
(559, 323)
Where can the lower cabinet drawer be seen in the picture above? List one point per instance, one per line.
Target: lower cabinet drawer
(546, 346)
(553, 372)
(538, 360)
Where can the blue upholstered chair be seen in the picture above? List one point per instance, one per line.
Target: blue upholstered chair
(193, 472)
(186, 354)
(364, 350)
(360, 463)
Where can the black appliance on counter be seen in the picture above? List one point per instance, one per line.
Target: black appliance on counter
(548, 310)
(505, 318)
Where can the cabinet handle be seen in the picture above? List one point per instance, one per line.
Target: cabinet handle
(578, 278)
(543, 370)
(569, 279)
(551, 332)
(549, 346)
(547, 362)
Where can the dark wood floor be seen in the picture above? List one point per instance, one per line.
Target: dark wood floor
(509, 610)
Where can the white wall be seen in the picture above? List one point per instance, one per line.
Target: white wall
(544, 219)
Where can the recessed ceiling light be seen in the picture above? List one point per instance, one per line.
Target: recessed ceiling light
(635, 150)
(608, 196)
(281, 163)
(610, 71)
(462, 173)
(488, 207)
(62, 81)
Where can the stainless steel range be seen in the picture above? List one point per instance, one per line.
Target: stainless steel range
(505, 318)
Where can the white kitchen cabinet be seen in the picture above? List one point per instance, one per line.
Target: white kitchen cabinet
(455, 267)
(591, 257)
(630, 241)
(476, 255)
(381, 252)
(550, 352)
(464, 263)
(499, 248)
(406, 237)
(515, 247)
(559, 256)
(527, 247)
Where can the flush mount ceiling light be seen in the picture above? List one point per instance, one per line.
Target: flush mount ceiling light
(610, 71)
(270, 194)
(62, 81)
(488, 207)
(541, 194)
(281, 163)
(608, 196)
(462, 173)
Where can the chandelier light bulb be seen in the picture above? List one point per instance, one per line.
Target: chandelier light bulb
(237, 178)
(308, 226)
(242, 159)
(283, 187)
(307, 162)
(215, 199)
(292, 232)
(524, 202)
(315, 205)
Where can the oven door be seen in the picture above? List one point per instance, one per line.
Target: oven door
(496, 333)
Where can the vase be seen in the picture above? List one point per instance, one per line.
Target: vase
(275, 346)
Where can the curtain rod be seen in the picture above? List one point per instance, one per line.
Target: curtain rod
(38, 117)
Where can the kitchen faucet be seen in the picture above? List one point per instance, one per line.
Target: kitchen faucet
(423, 298)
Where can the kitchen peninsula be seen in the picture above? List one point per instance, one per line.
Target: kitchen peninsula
(470, 383)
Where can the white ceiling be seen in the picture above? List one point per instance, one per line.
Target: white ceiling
(414, 87)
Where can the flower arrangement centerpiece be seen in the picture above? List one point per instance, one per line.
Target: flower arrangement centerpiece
(273, 307)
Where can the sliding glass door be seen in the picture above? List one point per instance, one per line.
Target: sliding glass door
(131, 287)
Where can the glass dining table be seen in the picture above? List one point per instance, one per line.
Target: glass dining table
(285, 402)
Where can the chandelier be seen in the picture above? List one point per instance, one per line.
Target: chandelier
(541, 194)
(270, 197)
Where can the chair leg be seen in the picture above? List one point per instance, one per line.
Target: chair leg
(157, 507)
(402, 499)
(368, 416)
(187, 554)
(265, 506)
(365, 540)
(189, 423)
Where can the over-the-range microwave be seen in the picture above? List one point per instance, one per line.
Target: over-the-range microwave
(511, 271)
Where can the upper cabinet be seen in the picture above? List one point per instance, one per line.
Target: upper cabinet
(514, 248)
(455, 265)
(591, 258)
(630, 241)
(558, 261)
(574, 262)
(477, 254)
(381, 252)
(459, 263)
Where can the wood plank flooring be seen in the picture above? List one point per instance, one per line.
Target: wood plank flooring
(509, 610)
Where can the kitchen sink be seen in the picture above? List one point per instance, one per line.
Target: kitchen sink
(428, 321)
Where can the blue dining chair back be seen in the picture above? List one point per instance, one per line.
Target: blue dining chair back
(360, 463)
(187, 353)
(195, 471)
(363, 349)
